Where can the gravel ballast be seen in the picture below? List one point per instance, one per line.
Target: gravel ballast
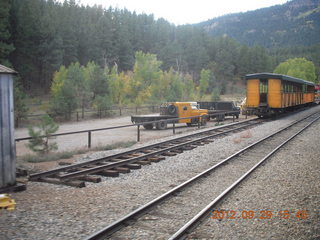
(47, 211)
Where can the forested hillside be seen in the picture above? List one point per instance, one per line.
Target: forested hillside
(37, 37)
(292, 24)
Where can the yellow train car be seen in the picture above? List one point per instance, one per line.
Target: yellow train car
(269, 93)
(317, 94)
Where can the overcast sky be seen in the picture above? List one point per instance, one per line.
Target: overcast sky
(185, 11)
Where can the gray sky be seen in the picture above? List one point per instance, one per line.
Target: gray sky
(185, 11)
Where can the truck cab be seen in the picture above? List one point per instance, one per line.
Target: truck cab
(190, 109)
(170, 111)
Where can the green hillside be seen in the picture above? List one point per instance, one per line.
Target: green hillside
(295, 23)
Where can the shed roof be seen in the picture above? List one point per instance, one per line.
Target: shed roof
(4, 69)
(278, 76)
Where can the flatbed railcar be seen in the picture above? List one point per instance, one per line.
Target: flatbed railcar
(269, 94)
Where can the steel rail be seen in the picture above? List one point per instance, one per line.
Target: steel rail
(135, 159)
(190, 225)
(79, 165)
(122, 222)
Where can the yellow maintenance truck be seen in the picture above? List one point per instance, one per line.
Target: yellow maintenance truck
(171, 110)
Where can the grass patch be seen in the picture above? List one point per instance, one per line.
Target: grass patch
(54, 156)
(115, 146)
(47, 157)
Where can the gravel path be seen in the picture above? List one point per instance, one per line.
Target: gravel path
(47, 211)
(289, 181)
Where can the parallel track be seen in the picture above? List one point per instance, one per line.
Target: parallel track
(168, 216)
(77, 174)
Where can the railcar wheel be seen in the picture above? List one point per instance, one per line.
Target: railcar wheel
(148, 126)
(189, 124)
(161, 125)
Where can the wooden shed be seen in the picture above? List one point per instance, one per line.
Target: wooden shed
(7, 142)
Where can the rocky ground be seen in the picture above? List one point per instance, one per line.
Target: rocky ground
(287, 182)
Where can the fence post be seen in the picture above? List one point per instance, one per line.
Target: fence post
(199, 122)
(120, 111)
(89, 139)
(174, 128)
(77, 116)
(138, 133)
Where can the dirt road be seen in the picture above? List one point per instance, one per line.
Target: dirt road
(103, 138)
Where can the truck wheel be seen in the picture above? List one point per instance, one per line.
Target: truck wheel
(203, 121)
(161, 125)
(148, 126)
(172, 109)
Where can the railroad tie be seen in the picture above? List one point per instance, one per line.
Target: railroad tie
(72, 183)
(169, 154)
(133, 166)
(177, 151)
(187, 148)
(122, 169)
(88, 178)
(155, 159)
(143, 162)
(147, 151)
(108, 173)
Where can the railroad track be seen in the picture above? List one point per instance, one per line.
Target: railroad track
(111, 166)
(195, 198)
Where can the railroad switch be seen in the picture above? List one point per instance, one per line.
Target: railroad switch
(6, 202)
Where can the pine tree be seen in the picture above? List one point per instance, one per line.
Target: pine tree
(41, 136)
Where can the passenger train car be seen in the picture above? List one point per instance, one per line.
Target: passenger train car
(269, 93)
(317, 94)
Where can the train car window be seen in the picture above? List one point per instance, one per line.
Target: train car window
(263, 86)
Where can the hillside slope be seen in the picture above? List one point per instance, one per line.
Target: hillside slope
(295, 23)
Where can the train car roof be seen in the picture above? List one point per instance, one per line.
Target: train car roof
(278, 76)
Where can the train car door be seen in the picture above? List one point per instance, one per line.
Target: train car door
(263, 92)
